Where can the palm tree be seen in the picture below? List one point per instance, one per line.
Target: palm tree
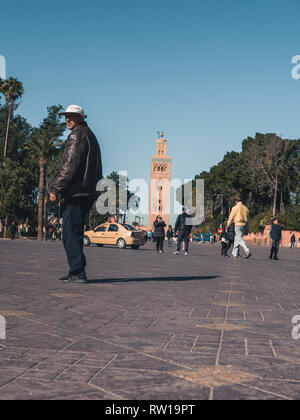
(45, 145)
(12, 89)
(43, 149)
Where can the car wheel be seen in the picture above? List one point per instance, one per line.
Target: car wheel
(121, 243)
(86, 241)
(100, 245)
(135, 246)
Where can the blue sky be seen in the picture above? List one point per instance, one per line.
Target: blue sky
(208, 73)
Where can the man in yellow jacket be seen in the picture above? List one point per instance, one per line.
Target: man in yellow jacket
(240, 217)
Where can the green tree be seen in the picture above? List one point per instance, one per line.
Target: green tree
(221, 184)
(16, 194)
(114, 176)
(119, 181)
(270, 163)
(45, 145)
(267, 169)
(12, 89)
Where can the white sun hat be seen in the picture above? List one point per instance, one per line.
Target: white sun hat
(74, 109)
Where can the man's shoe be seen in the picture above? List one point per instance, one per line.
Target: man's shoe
(249, 254)
(276, 258)
(186, 253)
(77, 278)
(64, 278)
(176, 253)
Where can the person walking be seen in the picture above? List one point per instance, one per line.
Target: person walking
(159, 234)
(112, 219)
(49, 230)
(230, 235)
(240, 217)
(149, 236)
(13, 231)
(276, 236)
(80, 170)
(293, 241)
(170, 236)
(223, 241)
(183, 229)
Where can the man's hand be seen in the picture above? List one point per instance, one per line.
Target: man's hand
(52, 198)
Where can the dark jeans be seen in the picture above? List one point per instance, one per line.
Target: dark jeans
(275, 249)
(224, 248)
(183, 237)
(160, 243)
(74, 212)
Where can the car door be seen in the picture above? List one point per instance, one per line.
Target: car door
(99, 235)
(112, 234)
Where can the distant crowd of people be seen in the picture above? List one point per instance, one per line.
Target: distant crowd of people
(181, 234)
(13, 228)
(52, 230)
(231, 237)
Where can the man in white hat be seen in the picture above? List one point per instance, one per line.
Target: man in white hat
(80, 170)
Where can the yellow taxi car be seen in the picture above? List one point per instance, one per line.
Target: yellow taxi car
(118, 234)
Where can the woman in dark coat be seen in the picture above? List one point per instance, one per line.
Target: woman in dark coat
(159, 234)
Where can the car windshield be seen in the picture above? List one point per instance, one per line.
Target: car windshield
(129, 227)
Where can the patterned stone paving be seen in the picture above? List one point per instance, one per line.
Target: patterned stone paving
(148, 326)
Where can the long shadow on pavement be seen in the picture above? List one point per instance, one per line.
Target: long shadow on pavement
(127, 280)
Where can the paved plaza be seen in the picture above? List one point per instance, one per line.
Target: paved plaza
(149, 326)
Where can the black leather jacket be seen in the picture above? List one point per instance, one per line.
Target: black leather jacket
(80, 167)
(159, 229)
(181, 225)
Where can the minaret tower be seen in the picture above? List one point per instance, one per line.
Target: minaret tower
(160, 183)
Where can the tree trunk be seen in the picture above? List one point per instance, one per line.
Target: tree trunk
(7, 130)
(275, 197)
(282, 208)
(41, 199)
(5, 227)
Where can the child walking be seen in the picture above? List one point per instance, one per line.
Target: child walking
(223, 239)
